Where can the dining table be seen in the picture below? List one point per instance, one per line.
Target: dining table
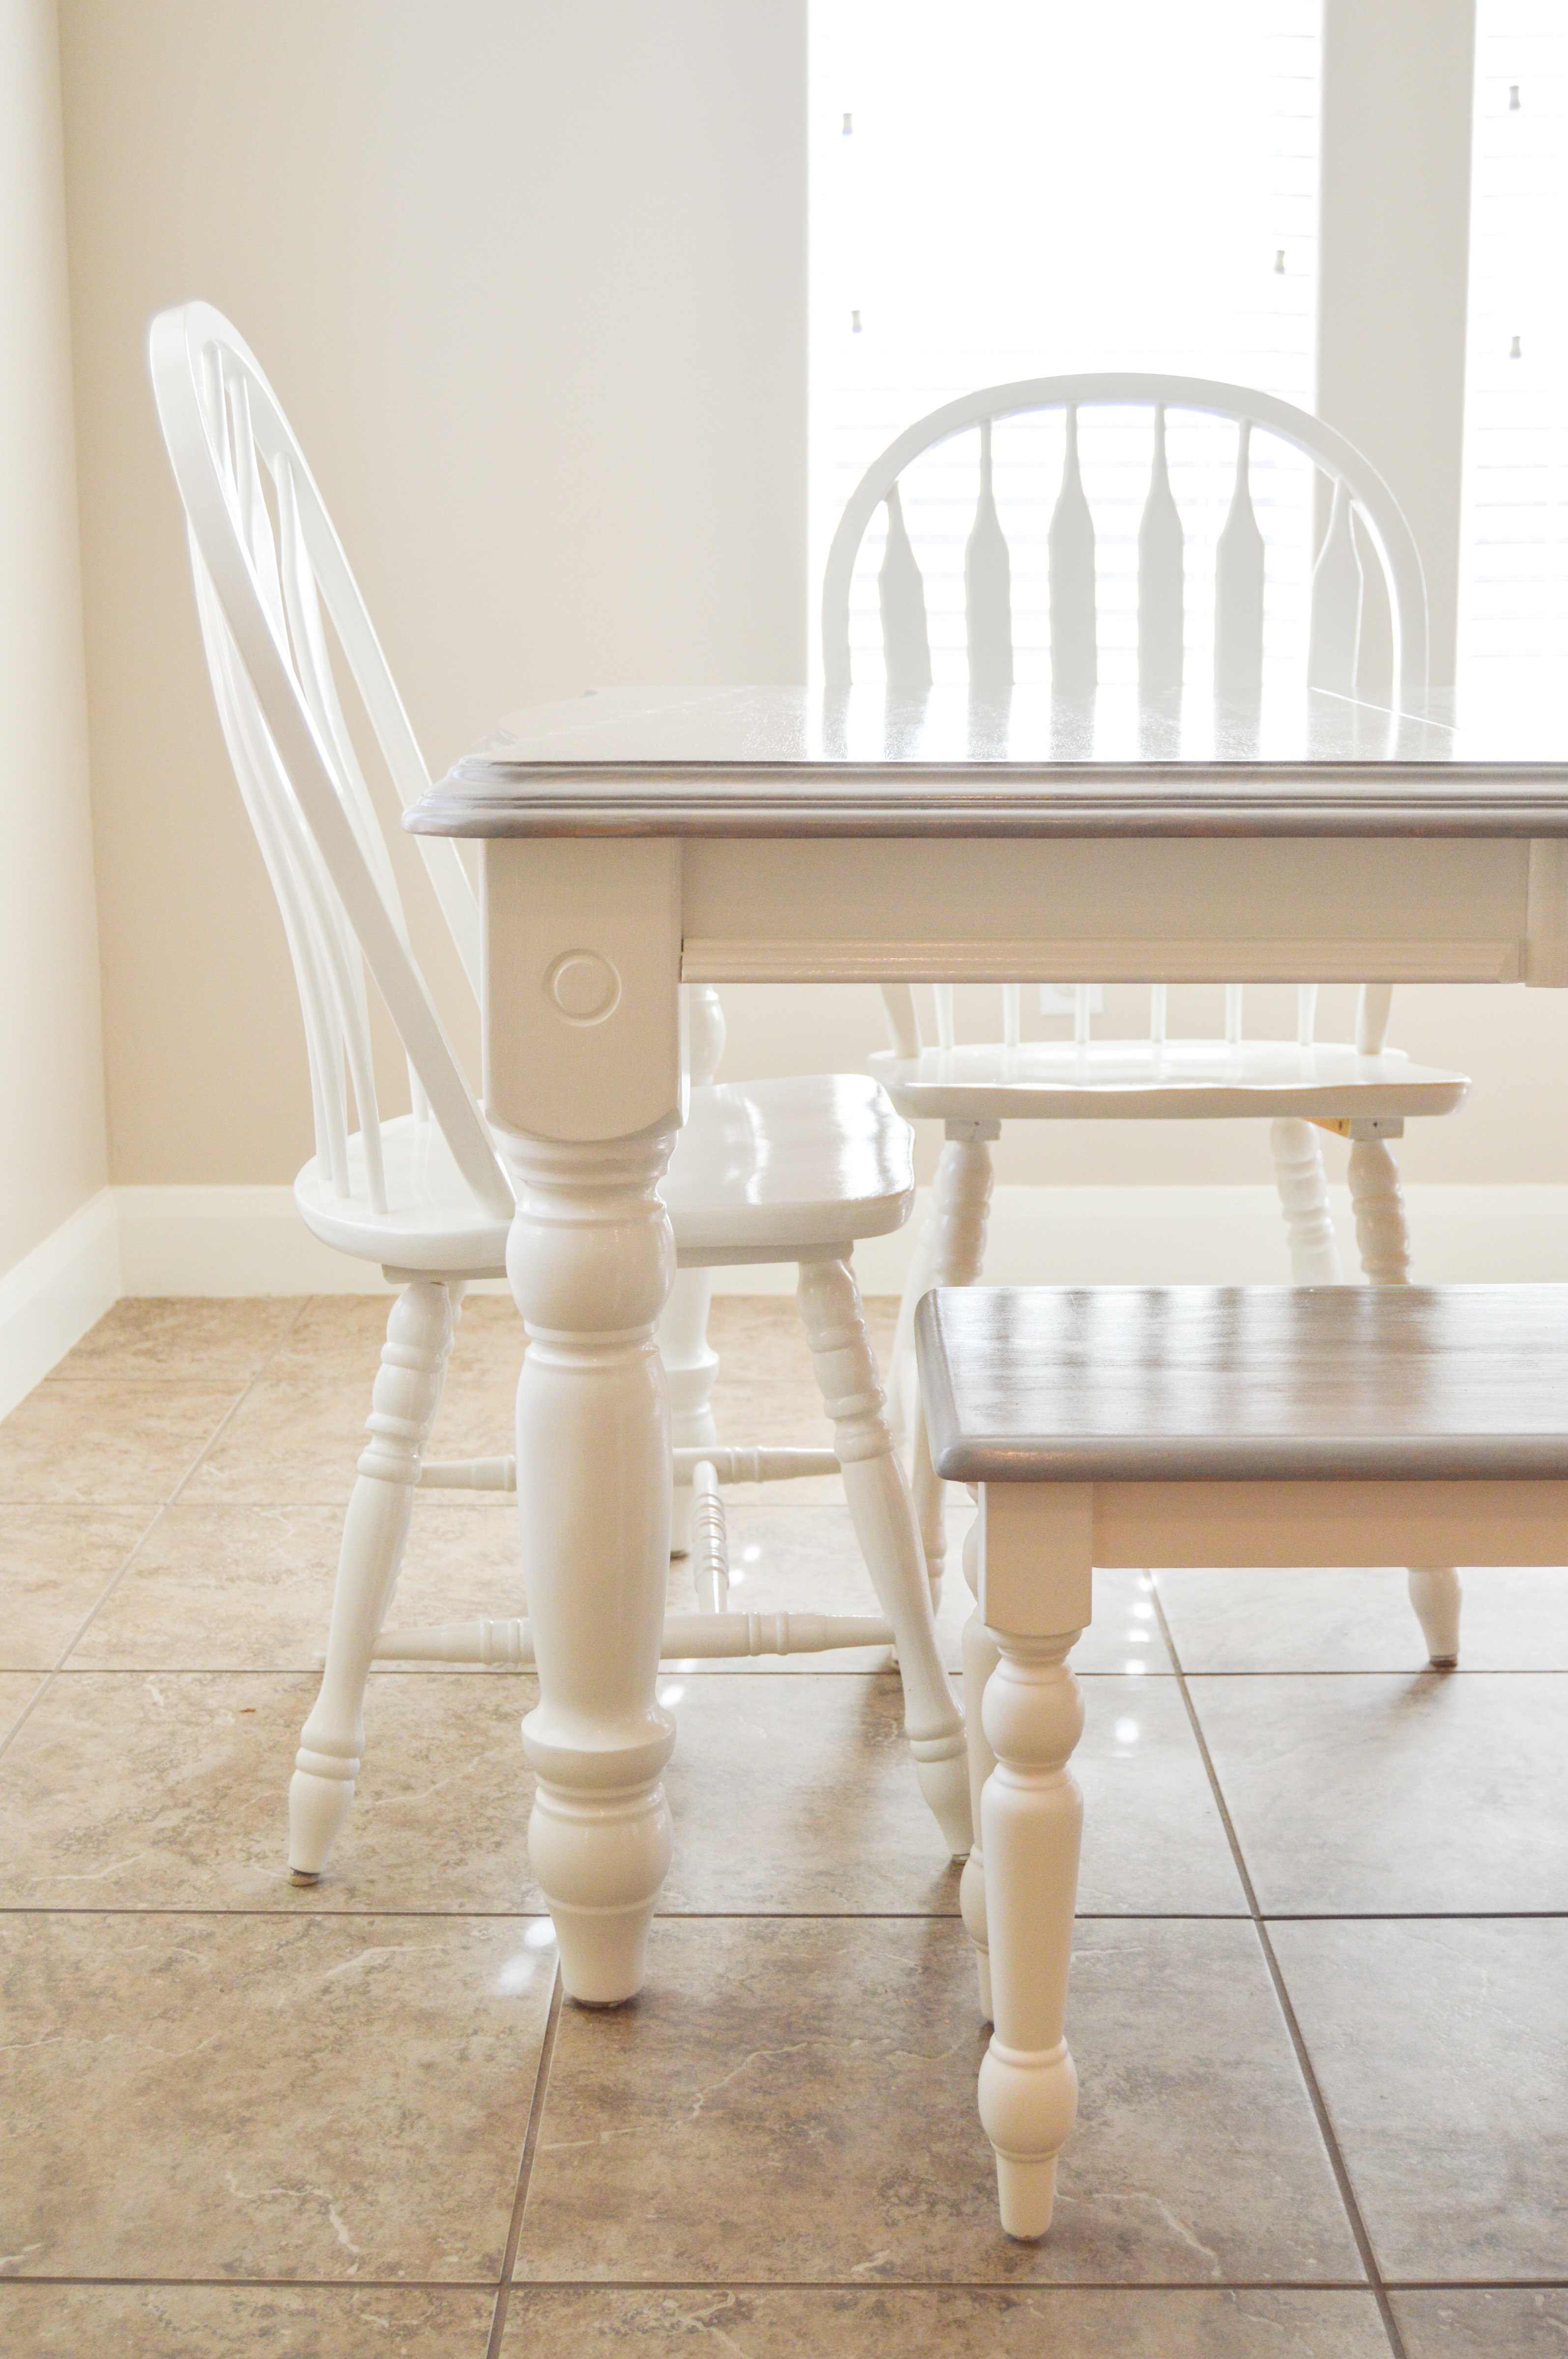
(632, 840)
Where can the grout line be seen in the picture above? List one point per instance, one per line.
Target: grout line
(526, 2167)
(1002, 2287)
(1304, 2061)
(158, 1514)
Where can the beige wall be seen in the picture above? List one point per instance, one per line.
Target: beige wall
(51, 1062)
(530, 280)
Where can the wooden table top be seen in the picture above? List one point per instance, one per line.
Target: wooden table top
(1236, 1384)
(795, 761)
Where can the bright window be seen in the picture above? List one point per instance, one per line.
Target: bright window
(1018, 188)
(1513, 589)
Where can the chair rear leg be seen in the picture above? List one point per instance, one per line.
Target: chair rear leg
(403, 1409)
(903, 1387)
(691, 1366)
(884, 1516)
(1382, 1234)
(960, 1205)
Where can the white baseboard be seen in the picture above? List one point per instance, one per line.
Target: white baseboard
(55, 1294)
(252, 1241)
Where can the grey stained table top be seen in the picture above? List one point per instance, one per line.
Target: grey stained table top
(1190, 1383)
(795, 761)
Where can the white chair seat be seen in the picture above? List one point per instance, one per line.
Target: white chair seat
(1102, 1080)
(762, 1170)
(431, 1222)
(770, 1170)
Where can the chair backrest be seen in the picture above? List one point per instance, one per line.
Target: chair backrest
(1358, 491)
(269, 572)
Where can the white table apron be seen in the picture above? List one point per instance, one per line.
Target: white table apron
(611, 875)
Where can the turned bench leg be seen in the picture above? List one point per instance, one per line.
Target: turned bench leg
(1030, 1821)
(1382, 1235)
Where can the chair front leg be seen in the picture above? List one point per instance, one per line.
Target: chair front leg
(884, 1516)
(980, 1658)
(1031, 1820)
(1382, 1233)
(1303, 1200)
(960, 1205)
(376, 1531)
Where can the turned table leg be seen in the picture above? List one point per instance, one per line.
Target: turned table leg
(980, 1661)
(590, 1260)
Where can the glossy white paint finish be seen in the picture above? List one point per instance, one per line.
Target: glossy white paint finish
(1470, 1379)
(796, 1171)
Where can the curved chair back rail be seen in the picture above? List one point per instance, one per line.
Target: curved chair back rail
(270, 573)
(1358, 491)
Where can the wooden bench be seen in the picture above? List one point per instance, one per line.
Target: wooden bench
(1244, 1426)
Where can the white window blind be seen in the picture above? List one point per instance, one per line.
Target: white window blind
(1010, 189)
(1513, 583)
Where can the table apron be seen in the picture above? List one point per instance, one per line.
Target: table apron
(1147, 909)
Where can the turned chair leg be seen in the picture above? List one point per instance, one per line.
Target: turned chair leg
(1031, 1820)
(904, 1383)
(960, 1204)
(883, 1516)
(1303, 1200)
(376, 1531)
(691, 1365)
(980, 1656)
(1382, 1235)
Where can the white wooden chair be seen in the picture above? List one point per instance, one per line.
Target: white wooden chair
(1365, 1090)
(1240, 1426)
(792, 1170)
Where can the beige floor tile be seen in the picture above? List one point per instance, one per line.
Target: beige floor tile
(169, 1790)
(330, 2098)
(939, 2322)
(1442, 2049)
(1515, 1619)
(795, 2101)
(249, 1586)
(1372, 1795)
(266, 2321)
(197, 1339)
(107, 1442)
(55, 1564)
(297, 1435)
(1484, 2324)
(800, 1796)
(18, 1689)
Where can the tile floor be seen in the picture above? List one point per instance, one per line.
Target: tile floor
(1320, 1995)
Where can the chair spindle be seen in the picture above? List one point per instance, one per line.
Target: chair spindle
(906, 645)
(988, 587)
(1239, 587)
(1071, 558)
(1161, 584)
(1336, 632)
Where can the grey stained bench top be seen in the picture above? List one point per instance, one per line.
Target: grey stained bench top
(1193, 1383)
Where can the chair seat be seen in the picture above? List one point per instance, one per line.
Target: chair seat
(1216, 1079)
(762, 1171)
(766, 1170)
(1246, 1384)
(431, 1221)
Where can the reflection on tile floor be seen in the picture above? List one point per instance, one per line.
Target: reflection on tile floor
(1317, 1997)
